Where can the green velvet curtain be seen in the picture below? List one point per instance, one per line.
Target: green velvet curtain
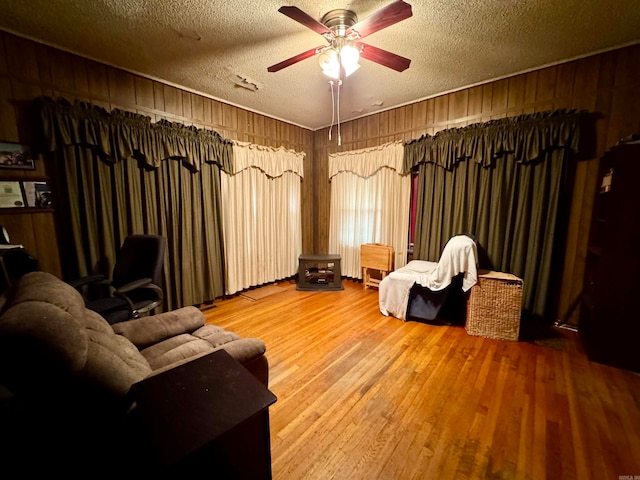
(115, 174)
(501, 181)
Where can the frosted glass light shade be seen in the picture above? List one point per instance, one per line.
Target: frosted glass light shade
(349, 55)
(330, 61)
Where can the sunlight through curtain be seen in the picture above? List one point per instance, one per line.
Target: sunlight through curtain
(261, 216)
(369, 204)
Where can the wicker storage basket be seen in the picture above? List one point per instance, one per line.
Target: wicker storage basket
(494, 306)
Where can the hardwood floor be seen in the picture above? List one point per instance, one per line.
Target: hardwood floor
(364, 396)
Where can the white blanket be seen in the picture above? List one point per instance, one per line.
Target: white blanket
(393, 292)
(459, 256)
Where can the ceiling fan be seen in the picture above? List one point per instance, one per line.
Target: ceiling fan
(344, 33)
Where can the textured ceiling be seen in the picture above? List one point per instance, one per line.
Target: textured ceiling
(215, 46)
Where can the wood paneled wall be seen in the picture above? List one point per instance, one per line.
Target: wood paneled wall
(29, 70)
(607, 83)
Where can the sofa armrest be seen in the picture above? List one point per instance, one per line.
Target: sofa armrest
(145, 331)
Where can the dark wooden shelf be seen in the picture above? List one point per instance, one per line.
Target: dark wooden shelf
(608, 325)
(25, 210)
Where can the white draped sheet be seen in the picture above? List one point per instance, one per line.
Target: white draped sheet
(459, 256)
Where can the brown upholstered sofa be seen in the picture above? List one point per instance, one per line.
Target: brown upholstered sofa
(70, 370)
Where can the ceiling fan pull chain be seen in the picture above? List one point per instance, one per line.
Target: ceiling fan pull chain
(333, 110)
(338, 108)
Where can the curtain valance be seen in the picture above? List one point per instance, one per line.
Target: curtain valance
(274, 162)
(527, 137)
(367, 161)
(118, 135)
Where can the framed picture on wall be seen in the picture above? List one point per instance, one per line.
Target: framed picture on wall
(38, 194)
(11, 195)
(16, 156)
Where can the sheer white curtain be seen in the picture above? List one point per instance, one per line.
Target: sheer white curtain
(369, 204)
(261, 216)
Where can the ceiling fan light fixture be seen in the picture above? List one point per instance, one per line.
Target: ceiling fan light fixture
(341, 56)
(329, 63)
(350, 68)
(349, 56)
(341, 29)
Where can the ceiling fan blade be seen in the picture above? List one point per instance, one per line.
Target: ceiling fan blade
(299, 16)
(295, 59)
(383, 18)
(383, 57)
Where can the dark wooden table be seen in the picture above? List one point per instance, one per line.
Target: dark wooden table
(319, 272)
(208, 415)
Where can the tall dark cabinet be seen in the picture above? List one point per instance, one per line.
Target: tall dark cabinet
(610, 312)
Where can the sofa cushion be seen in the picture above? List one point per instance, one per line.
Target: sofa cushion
(44, 287)
(206, 339)
(175, 349)
(215, 335)
(37, 332)
(146, 331)
(242, 349)
(245, 350)
(113, 362)
(48, 338)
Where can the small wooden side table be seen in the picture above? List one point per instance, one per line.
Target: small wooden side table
(374, 256)
(319, 272)
(209, 414)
